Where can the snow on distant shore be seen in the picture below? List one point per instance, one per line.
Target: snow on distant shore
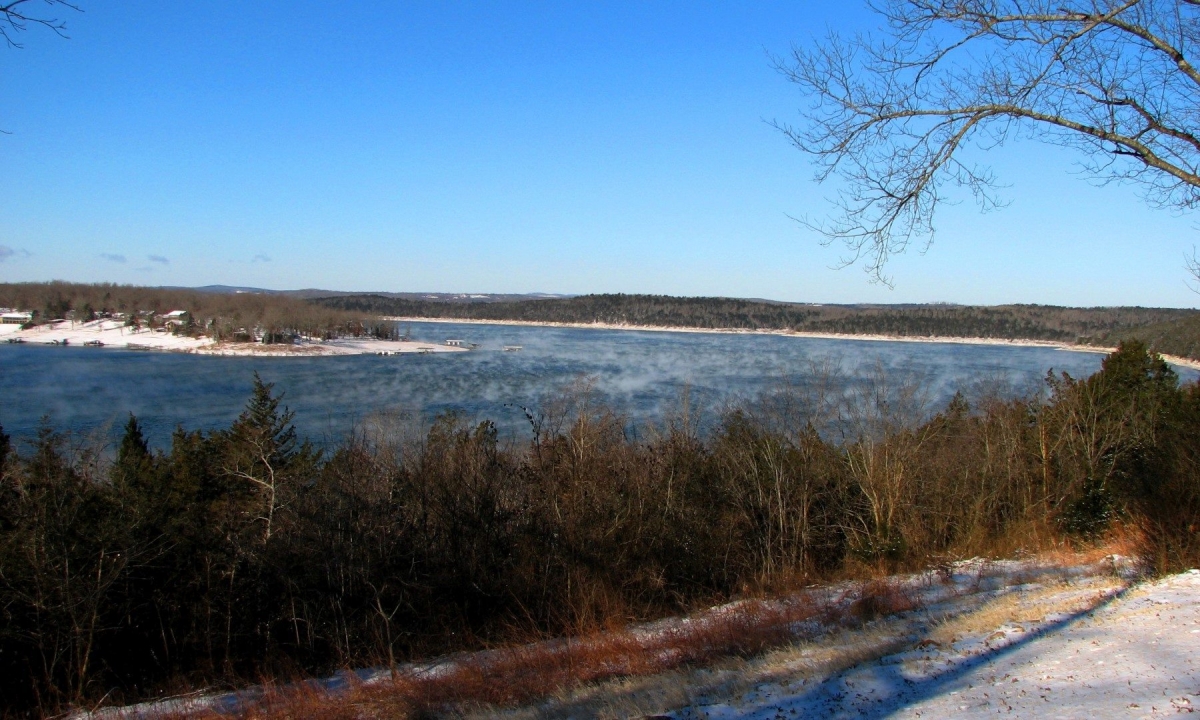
(114, 334)
(871, 337)
(103, 333)
(343, 346)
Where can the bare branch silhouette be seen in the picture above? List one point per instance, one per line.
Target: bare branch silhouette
(892, 114)
(17, 15)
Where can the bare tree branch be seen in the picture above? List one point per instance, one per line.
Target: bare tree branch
(17, 15)
(891, 115)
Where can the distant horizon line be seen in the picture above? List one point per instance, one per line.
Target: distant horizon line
(312, 292)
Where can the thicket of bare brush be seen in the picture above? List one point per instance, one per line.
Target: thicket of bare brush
(243, 554)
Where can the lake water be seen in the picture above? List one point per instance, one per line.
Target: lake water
(640, 373)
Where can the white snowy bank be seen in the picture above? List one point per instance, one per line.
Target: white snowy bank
(1096, 654)
(114, 334)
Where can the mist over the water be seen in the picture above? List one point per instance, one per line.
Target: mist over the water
(642, 374)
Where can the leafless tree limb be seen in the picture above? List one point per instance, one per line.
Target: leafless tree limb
(17, 15)
(891, 115)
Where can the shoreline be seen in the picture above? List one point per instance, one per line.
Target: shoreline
(108, 334)
(873, 337)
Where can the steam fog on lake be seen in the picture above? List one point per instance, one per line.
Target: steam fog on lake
(642, 374)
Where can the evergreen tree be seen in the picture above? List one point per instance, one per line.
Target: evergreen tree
(1134, 370)
(1116, 424)
(134, 472)
(265, 427)
(264, 453)
(133, 447)
(1148, 403)
(5, 448)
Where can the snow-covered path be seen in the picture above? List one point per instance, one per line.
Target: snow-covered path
(1132, 654)
(1032, 638)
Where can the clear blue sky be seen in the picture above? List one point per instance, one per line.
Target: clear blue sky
(494, 147)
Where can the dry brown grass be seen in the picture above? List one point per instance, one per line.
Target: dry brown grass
(820, 658)
(631, 672)
(512, 676)
(620, 672)
(1027, 607)
(646, 696)
(1122, 538)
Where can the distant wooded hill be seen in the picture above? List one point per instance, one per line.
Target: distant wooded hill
(307, 293)
(1171, 331)
(1173, 337)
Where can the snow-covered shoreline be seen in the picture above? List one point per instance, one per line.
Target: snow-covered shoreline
(941, 339)
(102, 333)
(114, 334)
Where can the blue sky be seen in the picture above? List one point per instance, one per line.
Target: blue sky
(496, 147)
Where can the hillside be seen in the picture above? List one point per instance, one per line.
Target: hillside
(1180, 336)
(969, 640)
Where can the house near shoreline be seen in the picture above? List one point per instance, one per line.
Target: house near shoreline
(175, 318)
(15, 318)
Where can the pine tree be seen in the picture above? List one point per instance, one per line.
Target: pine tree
(134, 473)
(264, 451)
(133, 444)
(5, 448)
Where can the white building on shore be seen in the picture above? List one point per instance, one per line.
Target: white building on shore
(15, 318)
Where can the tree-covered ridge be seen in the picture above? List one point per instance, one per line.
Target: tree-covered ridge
(1179, 337)
(1025, 322)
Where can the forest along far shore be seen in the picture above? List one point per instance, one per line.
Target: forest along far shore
(1174, 333)
(220, 320)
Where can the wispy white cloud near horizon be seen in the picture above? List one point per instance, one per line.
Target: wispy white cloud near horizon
(113, 257)
(159, 259)
(7, 252)
(261, 258)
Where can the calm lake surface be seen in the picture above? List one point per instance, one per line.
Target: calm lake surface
(640, 373)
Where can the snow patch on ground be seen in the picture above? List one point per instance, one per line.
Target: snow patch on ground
(104, 333)
(808, 615)
(1135, 653)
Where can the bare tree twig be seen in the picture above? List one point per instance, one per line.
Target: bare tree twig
(893, 117)
(17, 15)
